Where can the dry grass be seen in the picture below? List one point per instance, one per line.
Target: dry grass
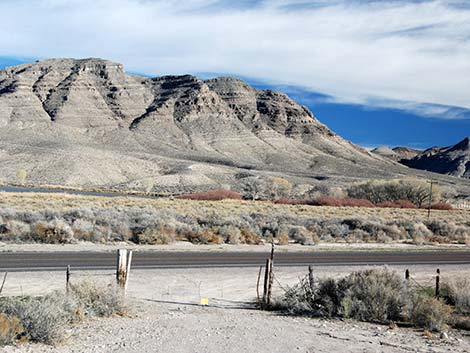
(40, 201)
(64, 218)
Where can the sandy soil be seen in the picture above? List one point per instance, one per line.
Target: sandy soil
(166, 316)
(165, 327)
(188, 285)
(187, 246)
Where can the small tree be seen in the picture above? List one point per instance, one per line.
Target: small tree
(278, 187)
(148, 184)
(21, 175)
(413, 190)
(253, 188)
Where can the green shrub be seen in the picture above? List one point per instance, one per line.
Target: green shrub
(373, 295)
(43, 319)
(429, 313)
(97, 300)
(458, 292)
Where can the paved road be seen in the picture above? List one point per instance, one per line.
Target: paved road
(71, 191)
(43, 261)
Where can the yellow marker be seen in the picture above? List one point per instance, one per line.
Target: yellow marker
(204, 301)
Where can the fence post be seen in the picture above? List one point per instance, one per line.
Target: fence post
(257, 284)
(121, 268)
(3, 283)
(266, 282)
(67, 279)
(311, 280)
(271, 274)
(437, 283)
(128, 269)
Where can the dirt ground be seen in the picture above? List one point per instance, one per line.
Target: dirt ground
(166, 327)
(166, 316)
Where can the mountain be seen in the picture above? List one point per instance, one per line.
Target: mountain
(88, 123)
(453, 160)
(397, 154)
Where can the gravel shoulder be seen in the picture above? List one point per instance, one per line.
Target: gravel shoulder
(266, 248)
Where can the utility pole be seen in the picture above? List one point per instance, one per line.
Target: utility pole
(430, 199)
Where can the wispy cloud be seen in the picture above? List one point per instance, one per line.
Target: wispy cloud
(361, 52)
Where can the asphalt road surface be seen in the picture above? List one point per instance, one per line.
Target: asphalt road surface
(44, 261)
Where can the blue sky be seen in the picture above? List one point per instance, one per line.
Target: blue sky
(389, 72)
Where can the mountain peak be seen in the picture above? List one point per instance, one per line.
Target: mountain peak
(108, 127)
(463, 145)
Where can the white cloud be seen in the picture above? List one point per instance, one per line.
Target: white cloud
(355, 51)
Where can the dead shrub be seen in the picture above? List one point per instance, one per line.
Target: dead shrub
(53, 232)
(161, 235)
(10, 329)
(250, 237)
(204, 236)
(283, 239)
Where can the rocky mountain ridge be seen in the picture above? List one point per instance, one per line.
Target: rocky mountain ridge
(88, 123)
(452, 160)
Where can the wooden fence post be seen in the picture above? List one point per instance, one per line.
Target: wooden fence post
(257, 284)
(311, 280)
(266, 282)
(128, 269)
(3, 283)
(123, 268)
(437, 283)
(67, 279)
(271, 273)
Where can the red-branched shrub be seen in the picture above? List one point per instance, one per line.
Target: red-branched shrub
(328, 201)
(356, 202)
(214, 195)
(441, 206)
(287, 201)
(396, 204)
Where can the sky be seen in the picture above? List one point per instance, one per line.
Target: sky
(388, 72)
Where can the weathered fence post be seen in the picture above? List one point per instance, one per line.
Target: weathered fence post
(123, 268)
(3, 283)
(437, 283)
(128, 268)
(257, 284)
(67, 279)
(266, 282)
(271, 273)
(311, 280)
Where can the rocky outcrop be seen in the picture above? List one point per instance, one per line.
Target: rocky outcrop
(89, 123)
(397, 154)
(452, 160)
